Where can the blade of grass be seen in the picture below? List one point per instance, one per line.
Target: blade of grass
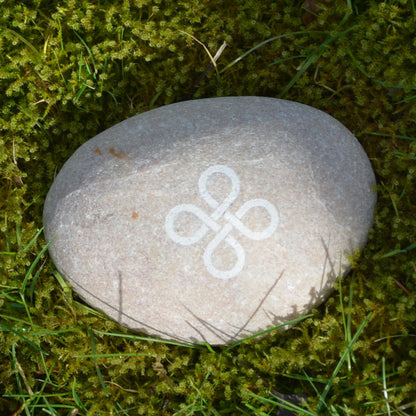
(243, 412)
(34, 280)
(61, 40)
(281, 403)
(208, 346)
(395, 336)
(346, 319)
(149, 339)
(316, 54)
(97, 368)
(259, 45)
(389, 135)
(305, 377)
(89, 52)
(33, 265)
(112, 96)
(7, 328)
(367, 382)
(127, 354)
(124, 412)
(8, 296)
(27, 43)
(88, 68)
(399, 251)
(40, 394)
(341, 362)
(77, 400)
(66, 288)
(255, 411)
(349, 316)
(32, 240)
(406, 156)
(355, 61)
(154, 99)
(293, 321)
(80, 64)
(213, 59)
(385, 392)
(398, 136)
(347, 14)
(310, 380)
(40, 331)
(16, 365)
(32, 202)
(347, 335)
(80, 92)
(406, 100)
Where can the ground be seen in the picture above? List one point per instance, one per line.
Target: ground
(72, 68)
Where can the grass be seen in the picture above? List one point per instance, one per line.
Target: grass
(93, 79)
(75, 67)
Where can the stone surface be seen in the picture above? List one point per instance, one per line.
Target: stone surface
(211, 220)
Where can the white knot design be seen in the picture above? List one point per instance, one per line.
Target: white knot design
(222, 234)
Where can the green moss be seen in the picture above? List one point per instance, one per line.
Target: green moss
(72, 68)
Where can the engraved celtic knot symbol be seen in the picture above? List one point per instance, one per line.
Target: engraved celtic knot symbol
(222, 233)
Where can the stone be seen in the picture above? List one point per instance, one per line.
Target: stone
(211, 220)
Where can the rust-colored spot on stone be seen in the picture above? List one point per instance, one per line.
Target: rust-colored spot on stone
(98, 151)
(135, 215)
(119, 155)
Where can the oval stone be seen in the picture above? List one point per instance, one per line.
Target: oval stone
(211, 220)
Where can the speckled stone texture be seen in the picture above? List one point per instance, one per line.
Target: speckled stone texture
(211, 220)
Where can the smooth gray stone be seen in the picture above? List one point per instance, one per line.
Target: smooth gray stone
(211, 220)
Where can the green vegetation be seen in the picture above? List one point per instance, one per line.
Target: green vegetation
(72, 68)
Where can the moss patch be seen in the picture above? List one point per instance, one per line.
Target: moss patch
(72, 68)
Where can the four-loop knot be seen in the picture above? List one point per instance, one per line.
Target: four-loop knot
(222, 233)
